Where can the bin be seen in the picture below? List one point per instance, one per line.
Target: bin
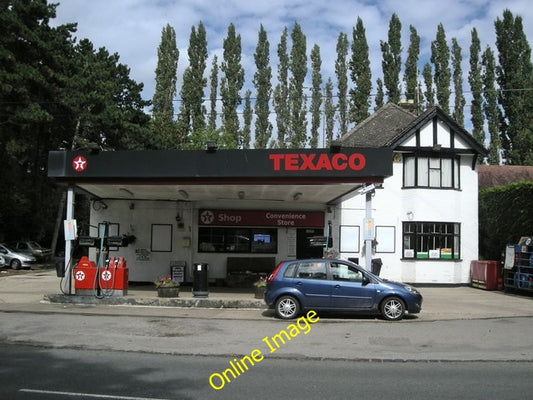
(60, 269)
(485, 274)
(200, 286)
(376, 266)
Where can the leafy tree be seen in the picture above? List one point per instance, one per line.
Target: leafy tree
(163, 124)
(247, 123)
(281, 92)
(458, 110)
(263, 86)
(411, 66)
(192, 110)
(476, 87)
(392, 59)
(54, 94)
(106, 103)
(380, 95)
(490, 106)
(515, 79)
(341, 70)
(429, 94)
(231, 85)
(297, 99)
(329, 112)
(33, 77)
(213, 79)
(360, 75)
(440, 57)
(316, 97)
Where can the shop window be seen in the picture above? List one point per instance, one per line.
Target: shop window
(237, 240)
(431, 172)
(432, 240)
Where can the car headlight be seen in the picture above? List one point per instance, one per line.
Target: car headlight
(411, 289)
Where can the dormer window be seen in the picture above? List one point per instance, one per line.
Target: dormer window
(430, 171)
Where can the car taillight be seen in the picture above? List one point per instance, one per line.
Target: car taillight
(274, 273)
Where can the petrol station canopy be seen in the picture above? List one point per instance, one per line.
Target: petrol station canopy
(325, 176)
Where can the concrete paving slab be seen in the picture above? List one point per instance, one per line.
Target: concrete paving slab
(39, 291)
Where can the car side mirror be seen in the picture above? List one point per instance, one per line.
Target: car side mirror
(366, 280)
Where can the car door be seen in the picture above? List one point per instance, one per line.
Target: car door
(349, 289)
(311, 280)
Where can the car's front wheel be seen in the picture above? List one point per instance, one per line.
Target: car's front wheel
(15, 264)
(393, 308)
(287, 307)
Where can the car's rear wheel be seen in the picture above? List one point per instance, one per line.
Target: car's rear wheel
(287, 307)
(393, 308)
(15, 264)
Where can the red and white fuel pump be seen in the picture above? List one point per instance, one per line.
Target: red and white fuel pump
(102, 278)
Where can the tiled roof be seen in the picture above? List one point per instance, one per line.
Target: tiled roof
(380, 129)
(391, 125)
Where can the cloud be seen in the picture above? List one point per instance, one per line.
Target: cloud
(132, 28)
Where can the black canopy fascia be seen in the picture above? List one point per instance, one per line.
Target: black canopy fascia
(222, 166)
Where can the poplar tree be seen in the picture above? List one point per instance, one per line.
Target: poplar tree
(247, 115)
(411, 66)
(231, 85)
(163, 124)
(515, 79)
(213, 85)
(192, 110)
(459, 99)
(341, 71)
(429, 94)
(329, 112)
(440, 57)
(392, 60)
(476, 87)
(281, 92)
(380, 95)
(316, 96)
(490, 105)
(360, 75)
(263, 87)
(297, 98)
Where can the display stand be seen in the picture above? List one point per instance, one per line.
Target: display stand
(518, 273)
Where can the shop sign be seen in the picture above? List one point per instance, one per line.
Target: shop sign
(318, 162)
(308, 219)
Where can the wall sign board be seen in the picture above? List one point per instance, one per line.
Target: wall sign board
(292, 219)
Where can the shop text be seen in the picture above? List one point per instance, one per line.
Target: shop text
(237, 367)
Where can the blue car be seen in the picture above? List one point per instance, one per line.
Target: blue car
(336, 285)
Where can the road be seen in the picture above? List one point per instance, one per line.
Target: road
(42, 374)
(467, 344)
(208, 333)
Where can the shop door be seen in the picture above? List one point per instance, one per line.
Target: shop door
(303, 248)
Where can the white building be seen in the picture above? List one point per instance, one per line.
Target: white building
(425, 218)
(246, 210)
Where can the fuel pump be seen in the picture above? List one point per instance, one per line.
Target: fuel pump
(108, 276)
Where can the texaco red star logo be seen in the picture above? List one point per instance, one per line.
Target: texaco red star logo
(79, 164)
(106, 276)
(79, 275)
(207, 217)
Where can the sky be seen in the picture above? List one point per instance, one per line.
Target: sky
(132, 28)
